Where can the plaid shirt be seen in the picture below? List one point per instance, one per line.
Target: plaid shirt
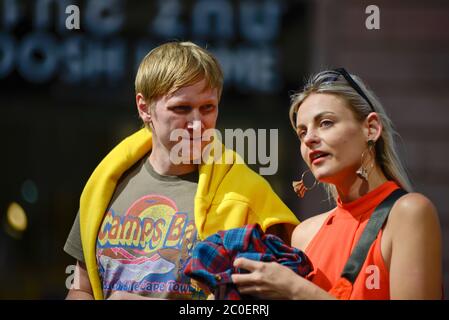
(212, 259)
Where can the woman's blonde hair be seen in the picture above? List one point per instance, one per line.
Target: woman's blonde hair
(386, 155)
(174, 65)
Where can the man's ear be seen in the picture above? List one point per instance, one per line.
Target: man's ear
(143, 108)
(373, 126)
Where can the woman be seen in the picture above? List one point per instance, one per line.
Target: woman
(347, 143)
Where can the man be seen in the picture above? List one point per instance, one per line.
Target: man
(149, 200)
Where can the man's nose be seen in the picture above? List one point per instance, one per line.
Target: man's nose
(194, 124)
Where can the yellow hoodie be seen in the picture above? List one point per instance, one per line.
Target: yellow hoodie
(228, 196)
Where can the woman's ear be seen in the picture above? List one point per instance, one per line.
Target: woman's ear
(373, 126)
(143, 108)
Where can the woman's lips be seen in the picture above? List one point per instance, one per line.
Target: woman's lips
(320, 159)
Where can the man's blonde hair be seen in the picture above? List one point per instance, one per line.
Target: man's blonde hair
(174, 65)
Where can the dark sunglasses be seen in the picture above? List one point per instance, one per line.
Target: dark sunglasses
(354, 85)
(342, 72)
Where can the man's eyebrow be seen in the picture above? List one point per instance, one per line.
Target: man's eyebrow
(179, 104)
(318, 116)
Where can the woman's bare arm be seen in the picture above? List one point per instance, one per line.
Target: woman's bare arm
(416, 263)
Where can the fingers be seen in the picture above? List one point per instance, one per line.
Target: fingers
(243, 279)
(247, 284)
(249, 290)
(247, 279)
(259, 271)
(247, 264)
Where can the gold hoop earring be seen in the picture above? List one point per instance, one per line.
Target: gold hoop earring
(362, 172)
(299, 186)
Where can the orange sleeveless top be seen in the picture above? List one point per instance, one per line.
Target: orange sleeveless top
(331, 247)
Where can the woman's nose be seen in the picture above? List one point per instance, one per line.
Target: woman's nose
(311, 138)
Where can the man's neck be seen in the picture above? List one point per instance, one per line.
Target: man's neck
(162, 164)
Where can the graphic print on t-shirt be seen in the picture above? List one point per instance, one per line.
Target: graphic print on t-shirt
(144, 250)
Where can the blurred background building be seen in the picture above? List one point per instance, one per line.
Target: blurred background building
(67, 97)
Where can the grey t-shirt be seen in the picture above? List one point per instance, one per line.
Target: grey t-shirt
(146, 236)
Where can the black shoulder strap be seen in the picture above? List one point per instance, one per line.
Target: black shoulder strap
(375, 223)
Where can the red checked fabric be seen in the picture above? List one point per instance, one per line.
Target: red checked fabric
(212, 260)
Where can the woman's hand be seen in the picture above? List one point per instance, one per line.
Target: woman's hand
(270, 280)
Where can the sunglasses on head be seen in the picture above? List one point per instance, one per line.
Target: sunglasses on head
(342, 72)
(352, 83)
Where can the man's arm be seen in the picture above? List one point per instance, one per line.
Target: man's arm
(81, 288)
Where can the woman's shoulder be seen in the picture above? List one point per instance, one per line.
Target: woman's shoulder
(413, 206)
(306, 230)
(413, 238)
(412, 212)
